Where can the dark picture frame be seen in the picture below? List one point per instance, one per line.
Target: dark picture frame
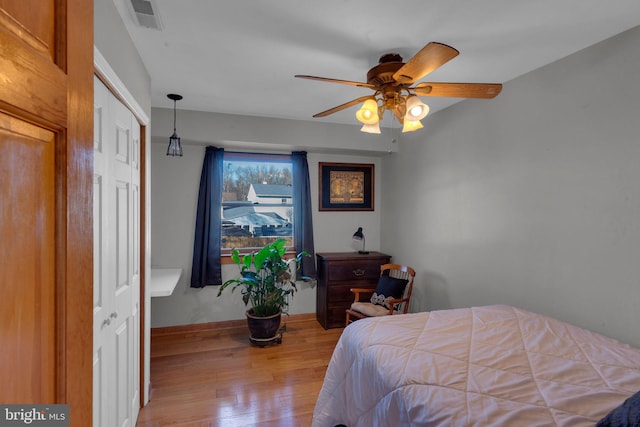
(346, 186)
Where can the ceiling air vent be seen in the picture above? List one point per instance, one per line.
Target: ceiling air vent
(145, 13)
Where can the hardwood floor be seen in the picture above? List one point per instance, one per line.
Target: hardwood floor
(217, 378)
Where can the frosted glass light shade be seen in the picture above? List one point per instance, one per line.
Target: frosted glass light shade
(411, 125)
(416, 109)
(368, 113)
(374, 128)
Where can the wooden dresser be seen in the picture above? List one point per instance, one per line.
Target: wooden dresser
(338, 272)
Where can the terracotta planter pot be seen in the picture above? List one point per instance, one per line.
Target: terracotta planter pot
(262, 328)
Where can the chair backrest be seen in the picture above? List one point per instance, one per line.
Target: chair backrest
(401, 272)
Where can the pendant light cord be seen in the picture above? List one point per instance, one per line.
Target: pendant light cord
(174, 116)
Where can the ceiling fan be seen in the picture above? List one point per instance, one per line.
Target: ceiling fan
(391, 80)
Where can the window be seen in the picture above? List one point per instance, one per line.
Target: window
(218, 196)
(257, 200)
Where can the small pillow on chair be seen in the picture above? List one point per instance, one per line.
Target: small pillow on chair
(388, 288)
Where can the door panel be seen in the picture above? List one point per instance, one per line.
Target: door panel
(27, 227)
(122, 224)
(99, 396)
(38, 21)
(37, 85)
(123, 374)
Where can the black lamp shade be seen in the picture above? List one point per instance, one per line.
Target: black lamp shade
(359, 235)
(175, 147)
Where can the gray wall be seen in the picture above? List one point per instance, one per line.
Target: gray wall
(530, 199)
(113, 41)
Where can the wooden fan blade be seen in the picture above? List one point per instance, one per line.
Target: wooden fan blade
(344, 82)
(343, 106)
(459, 90)
(432, 56)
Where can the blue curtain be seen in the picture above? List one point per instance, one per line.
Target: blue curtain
(302, 221)
(206, 268)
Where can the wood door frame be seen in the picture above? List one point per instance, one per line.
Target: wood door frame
(75, 217)
(108, 76)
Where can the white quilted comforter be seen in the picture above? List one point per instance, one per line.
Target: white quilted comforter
(481, 366)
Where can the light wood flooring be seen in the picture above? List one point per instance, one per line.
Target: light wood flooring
(216, 377)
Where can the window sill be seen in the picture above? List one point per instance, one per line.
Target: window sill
(225, 258)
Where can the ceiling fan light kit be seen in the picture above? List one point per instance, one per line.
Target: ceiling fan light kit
(391, 80)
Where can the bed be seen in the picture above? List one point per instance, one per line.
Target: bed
(482, 366)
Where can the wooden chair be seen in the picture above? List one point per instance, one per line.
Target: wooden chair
(364, 308)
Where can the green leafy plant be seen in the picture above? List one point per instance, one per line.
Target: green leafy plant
(265, 280)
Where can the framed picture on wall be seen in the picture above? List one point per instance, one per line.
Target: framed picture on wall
(346, 186)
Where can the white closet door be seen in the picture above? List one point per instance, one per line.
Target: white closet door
(116, 262)
(103, 300)
(135, 269)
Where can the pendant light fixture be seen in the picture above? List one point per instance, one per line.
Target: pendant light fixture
(175, 147)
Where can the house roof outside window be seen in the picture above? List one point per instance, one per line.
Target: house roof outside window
(269, 191)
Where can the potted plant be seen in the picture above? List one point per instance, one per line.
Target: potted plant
(266, 283)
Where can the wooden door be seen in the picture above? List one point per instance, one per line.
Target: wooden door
(46, 162)
(116, 262)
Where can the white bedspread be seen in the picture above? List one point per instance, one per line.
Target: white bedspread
(481, 366)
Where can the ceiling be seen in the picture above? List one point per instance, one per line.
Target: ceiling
(240, 56)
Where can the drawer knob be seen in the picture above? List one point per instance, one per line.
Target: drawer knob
(359, 272)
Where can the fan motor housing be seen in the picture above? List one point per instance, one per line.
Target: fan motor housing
(383, 73)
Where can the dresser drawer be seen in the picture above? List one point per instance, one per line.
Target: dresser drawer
(355, 270)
